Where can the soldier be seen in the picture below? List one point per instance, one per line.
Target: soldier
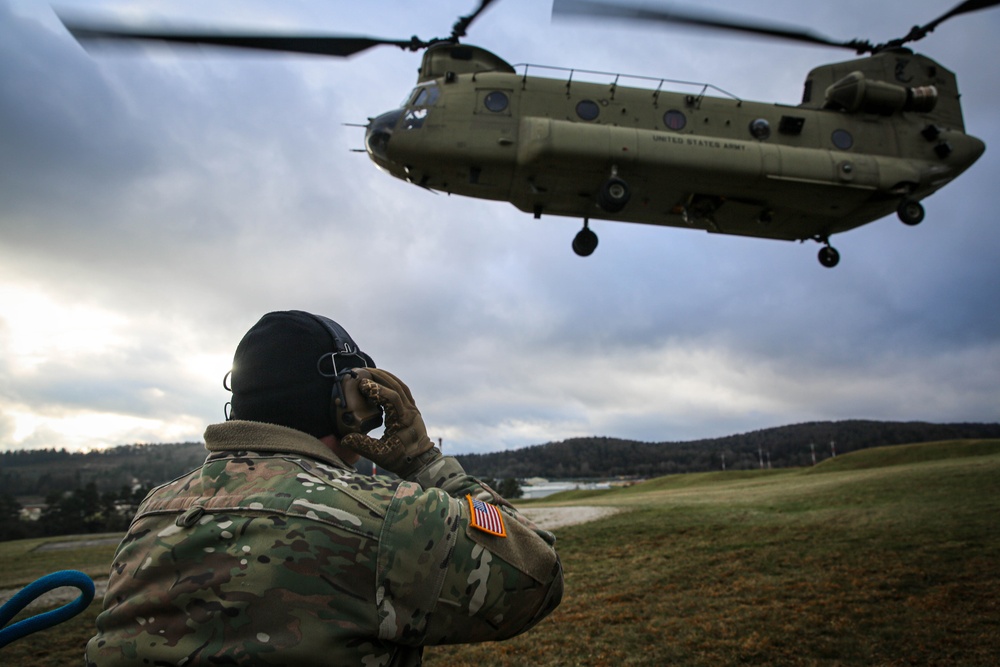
(278, 552)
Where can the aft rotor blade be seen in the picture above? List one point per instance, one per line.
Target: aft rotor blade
(325, 45)
(963, 8)
(918, 32)
(692, 18)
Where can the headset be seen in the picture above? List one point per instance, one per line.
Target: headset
(350, 411)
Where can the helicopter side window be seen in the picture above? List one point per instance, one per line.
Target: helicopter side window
(760, 129)
(496, 101)
(842, 139)
(675, 120)
(587, 110)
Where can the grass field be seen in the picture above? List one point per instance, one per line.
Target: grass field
(882, 557)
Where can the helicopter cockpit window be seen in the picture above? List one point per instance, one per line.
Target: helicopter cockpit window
(842, 139)
(416, 112)
(496, 101)
(413, 119)
(760, 129)
(424, 96)
(588, 110)
(675, 120)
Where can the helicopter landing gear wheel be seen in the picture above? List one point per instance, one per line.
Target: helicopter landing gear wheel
(911, 212)
(585, 241)
(613, 195)
(829, 257)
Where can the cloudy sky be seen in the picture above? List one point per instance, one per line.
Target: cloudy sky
(155, 202)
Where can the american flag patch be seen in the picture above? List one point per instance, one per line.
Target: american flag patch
(486, 517)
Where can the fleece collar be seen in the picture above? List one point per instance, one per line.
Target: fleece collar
(237, 435)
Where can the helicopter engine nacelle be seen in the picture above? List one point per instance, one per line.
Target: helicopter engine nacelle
(856, 93)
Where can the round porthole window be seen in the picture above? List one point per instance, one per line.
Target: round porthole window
(842, 139)
(496, 101)
(675, 120)
(588, 110)
(760, 129)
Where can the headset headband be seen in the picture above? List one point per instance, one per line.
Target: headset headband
(343, 346)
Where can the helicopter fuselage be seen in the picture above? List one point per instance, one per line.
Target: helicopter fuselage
(889, 130)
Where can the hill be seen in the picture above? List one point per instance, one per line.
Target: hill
(781, 447)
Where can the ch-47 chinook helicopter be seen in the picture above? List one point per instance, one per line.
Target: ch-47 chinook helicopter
(872, 136)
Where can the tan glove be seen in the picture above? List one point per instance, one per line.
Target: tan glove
(405, 436)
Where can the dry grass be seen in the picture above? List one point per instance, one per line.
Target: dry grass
(860, 565)
(880, 561)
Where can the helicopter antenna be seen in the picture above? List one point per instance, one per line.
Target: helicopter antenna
(661, 14)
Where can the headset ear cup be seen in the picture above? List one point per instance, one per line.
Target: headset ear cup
(347, 414)
(336, 398)
(352, 412)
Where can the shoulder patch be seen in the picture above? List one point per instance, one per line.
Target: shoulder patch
(486, 517)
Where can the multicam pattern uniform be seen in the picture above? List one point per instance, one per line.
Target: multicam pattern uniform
(277, 553)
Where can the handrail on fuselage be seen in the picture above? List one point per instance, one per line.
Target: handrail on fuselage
(614, 84)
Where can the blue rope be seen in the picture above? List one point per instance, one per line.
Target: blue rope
(42, 621)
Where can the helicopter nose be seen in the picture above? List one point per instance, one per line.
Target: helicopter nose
(378, 134)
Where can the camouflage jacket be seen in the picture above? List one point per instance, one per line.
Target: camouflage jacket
(275, 552)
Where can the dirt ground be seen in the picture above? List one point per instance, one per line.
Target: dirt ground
(551, 518)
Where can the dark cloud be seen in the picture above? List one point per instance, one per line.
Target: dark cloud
(187, 192)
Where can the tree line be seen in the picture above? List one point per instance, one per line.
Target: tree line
(98, 491)
(82, 510)
(30, 475)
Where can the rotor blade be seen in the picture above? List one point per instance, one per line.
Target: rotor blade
(688, 17)
(962, 8)
(463, 23)
(918, 32)
(326, 45)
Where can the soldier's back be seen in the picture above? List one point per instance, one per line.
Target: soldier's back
(256, 558)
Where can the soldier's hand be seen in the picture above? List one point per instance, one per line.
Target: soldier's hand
(405, 436)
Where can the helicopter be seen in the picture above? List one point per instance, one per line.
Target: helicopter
(872, 136)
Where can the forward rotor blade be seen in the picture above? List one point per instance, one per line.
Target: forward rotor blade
(325, 45)
(700, 19)
(463, 23)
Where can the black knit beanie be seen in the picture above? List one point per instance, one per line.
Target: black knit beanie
(283, 372)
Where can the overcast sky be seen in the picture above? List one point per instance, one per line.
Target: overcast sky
(155, 202)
